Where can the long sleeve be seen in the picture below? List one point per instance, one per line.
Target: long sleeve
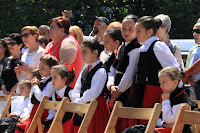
(127, 78)
(97, 85)
(169, 113)
(75, 93)
(52, 113)
(111, 76)
(47, 91)
(162, 51)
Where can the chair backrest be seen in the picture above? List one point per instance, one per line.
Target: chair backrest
(45, 104)
(7, 98)
(185, 116)
(87, 109)
(151, 114)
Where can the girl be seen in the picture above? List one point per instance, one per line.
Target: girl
(154, 55)
(90, 86)
(124, 67)
(21, 112)
(172, 98)
(112, 40)
(61, 77)
(42, 88)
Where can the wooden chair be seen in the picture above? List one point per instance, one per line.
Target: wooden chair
(186, 116)
(45, 104)
(151, 114)
(87, 109)
(7, 98)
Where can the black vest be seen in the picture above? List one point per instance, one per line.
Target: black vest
(110, 61)
(41, 86)
(179, 96)
(148, 67)
(86, 79)
(122, 62)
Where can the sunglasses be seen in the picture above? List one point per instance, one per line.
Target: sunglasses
(11, 43)
(196, 30)
(25, 35)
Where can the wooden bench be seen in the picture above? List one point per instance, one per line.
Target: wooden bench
(151, 114)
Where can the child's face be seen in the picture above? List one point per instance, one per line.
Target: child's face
(167, 84)
(128, 31)
(57, 81)
(44, 69)
(141, 33)
(109, 44)
(88, 55)
(24, 90)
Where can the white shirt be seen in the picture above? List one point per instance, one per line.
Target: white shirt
(31, 60)
(48, 90)
(169, 113)
(127, 79)
(162, 52)
(92, 93)
(60, 93)
(19, 110)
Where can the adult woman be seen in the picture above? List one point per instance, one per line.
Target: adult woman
(9, 78)
(77, 33)
(163, 35)
(30, 59)
(63, 46)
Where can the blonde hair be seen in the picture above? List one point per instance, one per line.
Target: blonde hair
(26, 82)
(117, 25)
(32, 29)
(172, 72)
(78, 32)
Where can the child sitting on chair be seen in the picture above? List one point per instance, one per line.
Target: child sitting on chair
(172, 98)
(21, 112)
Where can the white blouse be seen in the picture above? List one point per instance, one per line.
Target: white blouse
(92, 93)
(127, 79)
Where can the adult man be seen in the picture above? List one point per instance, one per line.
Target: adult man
(100, 26)
(45, 31)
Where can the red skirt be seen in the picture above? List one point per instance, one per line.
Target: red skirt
(164, 130)
(151, 95)
(26, 124)
(99, 120)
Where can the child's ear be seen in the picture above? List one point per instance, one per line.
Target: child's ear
(96, 52)
(65, 79)
(117, 43)
(176, 82)
(150, 32)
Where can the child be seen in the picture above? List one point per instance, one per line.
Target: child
(90, 86)
(172, 98)
(154, 55)
(21, 112)
(112, 39)
(124, 67)
(61, 77)
(41, 88)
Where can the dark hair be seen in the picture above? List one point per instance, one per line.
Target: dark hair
(16, 37)
(27, 83)
(115, 34)
(36, 73)
(132, 17)
(93, 44)
(148, 22)
(43, 39)
(4, 43)
(62, 22)
(49, 60)
(63, 71)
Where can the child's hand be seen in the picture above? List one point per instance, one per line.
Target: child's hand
(114, 88)
(22, 119)
(34, 81)
(43, 127)
(165, 96)
(81, 115)
(12, 115)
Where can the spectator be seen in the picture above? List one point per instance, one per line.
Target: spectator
(45, 31)
(42, 41)
(77, 33)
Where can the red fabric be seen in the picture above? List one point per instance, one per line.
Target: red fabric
(33, 111)
(22, 126)
(53, 49)
(163, 130)
(99, 120)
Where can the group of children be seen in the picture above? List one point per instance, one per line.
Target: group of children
(128, 73)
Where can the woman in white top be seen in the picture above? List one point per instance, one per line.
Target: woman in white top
(29, 59)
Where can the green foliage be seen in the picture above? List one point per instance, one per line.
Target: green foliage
(15, 14)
